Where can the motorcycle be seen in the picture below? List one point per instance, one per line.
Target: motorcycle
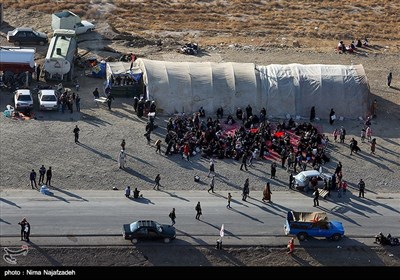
(386, 240)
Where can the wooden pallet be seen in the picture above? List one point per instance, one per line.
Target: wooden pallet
(323, 193)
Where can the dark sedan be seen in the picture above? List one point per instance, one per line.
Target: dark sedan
(147, 229)
(26, 35)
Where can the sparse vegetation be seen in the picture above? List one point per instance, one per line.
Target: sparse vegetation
(323, 21)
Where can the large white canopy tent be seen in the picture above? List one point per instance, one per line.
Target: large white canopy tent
(282, 89)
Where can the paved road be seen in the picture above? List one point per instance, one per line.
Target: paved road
(96, 217)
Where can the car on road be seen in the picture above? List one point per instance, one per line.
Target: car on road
(302, 179)
(312, 224)
(48, 99)
(23, 99)
(26, 35)
(148, 229)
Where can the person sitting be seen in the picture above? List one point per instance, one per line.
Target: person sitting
(229, 120)
(136, 193)
(365, 43)
(341, 47)
(359, 44)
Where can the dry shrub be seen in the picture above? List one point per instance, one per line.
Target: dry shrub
(279, 18)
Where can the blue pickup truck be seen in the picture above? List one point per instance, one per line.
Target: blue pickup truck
(314, 224)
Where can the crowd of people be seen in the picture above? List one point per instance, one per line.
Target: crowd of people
(254, 138)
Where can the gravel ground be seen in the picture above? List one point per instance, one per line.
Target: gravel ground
(48, 140)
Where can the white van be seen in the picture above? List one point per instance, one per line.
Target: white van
(302, 180)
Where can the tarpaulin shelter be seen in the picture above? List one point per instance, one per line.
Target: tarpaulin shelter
(123, 77)
(283, 90)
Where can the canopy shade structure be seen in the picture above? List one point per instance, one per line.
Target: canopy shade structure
(283, 90)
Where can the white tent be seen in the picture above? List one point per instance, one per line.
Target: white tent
(294, 88)
(282, 89)
(186, 86)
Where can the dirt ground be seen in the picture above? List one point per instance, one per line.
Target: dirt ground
(48, 140)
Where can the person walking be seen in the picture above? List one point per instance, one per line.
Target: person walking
(212, 184)
(198, 211)
(76, 133)
(316, 197)
(42, 172)
(22, 224)
(211, 168)
(172, 216)
(344, 187)
(147, 135)
(49, 174)
(244, 161)
(229, 200)
(158, 146)
(78, 103)
(267, 193)
(123, 145)
(246, 190)
(389, 79)
(332, 116)
(96, 93)
(109, 100)
(27, 231)
(290, 246)
(373, 146)
(127, 191)
(121, 159)
(361, 188)
(291, 180)
(32, 177)
(273, 170)
(157, 182)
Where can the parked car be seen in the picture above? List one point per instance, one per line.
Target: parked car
(83, 27)
(48, 99)
(147, 229)
(26, 35)
(302, 180)
(23, 99)
(314, 224)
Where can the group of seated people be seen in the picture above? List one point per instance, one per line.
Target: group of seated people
(342, 48)
(253, 137)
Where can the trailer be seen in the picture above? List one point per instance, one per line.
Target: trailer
(60, 57)
(17, 65)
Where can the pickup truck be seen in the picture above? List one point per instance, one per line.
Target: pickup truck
(313, 224)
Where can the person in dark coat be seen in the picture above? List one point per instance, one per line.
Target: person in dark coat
(312, 114)
(49, 174)
(244, 161)
(316, 197)
(332, 116)
(22, 224)
(273, 170)
(135, 103)
(246, 190)
(198, 211)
